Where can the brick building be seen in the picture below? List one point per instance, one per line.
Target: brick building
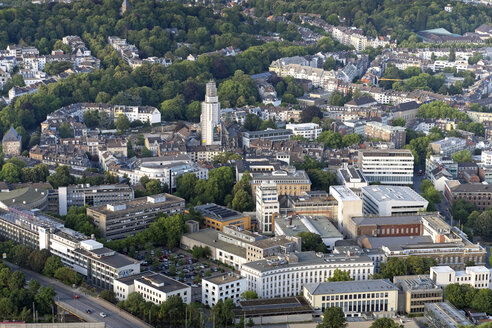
(384, 226)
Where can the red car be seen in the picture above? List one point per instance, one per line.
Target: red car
(76, 296)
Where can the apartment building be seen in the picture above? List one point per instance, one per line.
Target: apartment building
(154, 287)
(267, 206)
(448, 146)
(395, 134)
(223, 287)
(416, 291)
(285, 276)
(475, 276)
(392, 200)
(389, 167)
(121, 219)
(100, 265)
(355, 298)
(217, 217)
(289, 181)
(144, 114)
(310, 131)
(81, 195)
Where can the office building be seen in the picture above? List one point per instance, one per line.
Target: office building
(121, 219)
(349, 205)
(392, 166)
(355, 298)
(479, 194)
(476, 276)
(289, 181)
(310, 131)
(444, 315)
(81, 195)
(267, 206)
(285, 276)
(154, 287)
(384, 226)
(392, 200)
(268, 134)
(353, 178)
(415, 292)
(217, 217)
(448, 146)
(222, 287)
(315, 203)
(395, 134)
(209, 119)
(322, 226)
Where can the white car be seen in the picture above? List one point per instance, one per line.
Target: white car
(102, 314)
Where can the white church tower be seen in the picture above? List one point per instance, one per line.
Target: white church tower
(209, 120)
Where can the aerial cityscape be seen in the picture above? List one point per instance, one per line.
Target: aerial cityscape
(256, 163)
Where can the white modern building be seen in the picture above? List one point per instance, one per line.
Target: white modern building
(267, 206)
(475, 276)
(349, 205)
(285, 276)
(222, 287)
(310, 131)
(353, 178)
(392, 200)
(389, 167)
(448, 146)
(486, 158)
(209, 120)
(143, 114)
(154, 287)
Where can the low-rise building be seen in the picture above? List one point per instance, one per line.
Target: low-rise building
(415, 292)
(154, 287)
(222, 287)
(355, 298)
(384, 226)
(268, 134)
(475, 276)
(217, 217)
(310, 131)
(352, 178)
(312, 203)
(479, 194)
(392, 200)
(27, 198)
(121, 219)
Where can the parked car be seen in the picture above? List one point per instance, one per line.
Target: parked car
(76, 296)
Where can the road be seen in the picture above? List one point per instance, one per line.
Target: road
(116, 318)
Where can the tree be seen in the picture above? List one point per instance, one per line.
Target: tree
(108, 295)
(452, 55)
(385, 323)
(399, 122)
(65, 131)
(311, 242)
(331, 139)
(249, 295)
(252, 122)
(393, 267)
(37, 259)
(482, 301)
(222, 312)
(61, 177)
(44, 299)
(17, 280)
(340, 275)
(242, 201)
(333, 318)
(309, 113)
(68, 276)
(153, 187)
(122, 123)
(238, 91)
(460, 296)
(462, 156)
(52, 264)
(199, 252)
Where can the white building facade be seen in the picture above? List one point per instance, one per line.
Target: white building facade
(389, 167)
(226, 286)
(310, 131)
(209, 119)
(267, 205)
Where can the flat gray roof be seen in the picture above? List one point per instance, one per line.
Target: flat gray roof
(353, 286)
(320, 225)
(210, 237)
(391, 193)
(153, 280)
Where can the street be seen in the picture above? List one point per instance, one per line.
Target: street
(116, 318)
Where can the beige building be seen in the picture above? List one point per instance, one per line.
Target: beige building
(12, 143)
(415, 292)
(379, 297)
(289, 181)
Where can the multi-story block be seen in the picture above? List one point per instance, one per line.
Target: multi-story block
(379, 297)
(475, 276)
(393, 167)
(12, 143)
(448, 146)
(310, 131)
(395, 134)
(479, 194)
(120, 219)
(217, 217)
(352, 178)
(286, 275)
(392, 200)
(312, 203)
(81, 195)
(209, 119)
(384, 226)
(223, 287)
(415, 292)
(268, 134)
(267, 206)
(289, 181)
(349, 205)
(154, 287)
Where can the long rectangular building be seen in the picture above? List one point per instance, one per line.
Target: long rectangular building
(392, 166)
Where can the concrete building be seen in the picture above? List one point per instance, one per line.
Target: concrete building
(27, 198)
(312, 203)
(289, 181)
(475, 276)
(415, 292)
(121, 219)
(448, 146)
(349, 205)
(395, 134)
(268, 134)
(353, 178)
(12, 143)
(285, 276)
(322, 226)
(444, 315)
(223, 287)
(356, 298)
(154, 287)
(267, 206)
(407, 111)
(393, 167)
(392, 200)
(310, 131)
(209, 120)
(217, 217)
(81, 195)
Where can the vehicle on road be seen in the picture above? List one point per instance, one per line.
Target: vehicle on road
(76, 296)
(102, 314)
(88, 311)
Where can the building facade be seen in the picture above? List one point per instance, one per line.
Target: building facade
(476, 276)
(209, 119)
(310, 131)
(415, 292)
(392, 200)
(395, 134)
(222, 287)
(217, 217)
(267, 206)
(12, 143)
(393, 167)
